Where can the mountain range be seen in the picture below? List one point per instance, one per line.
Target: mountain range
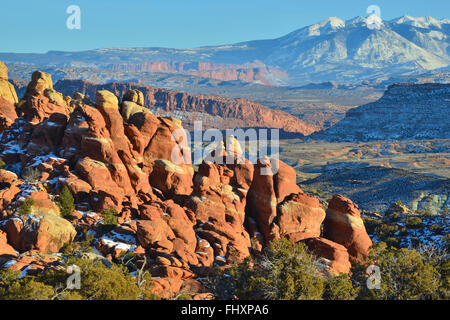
(331, 50)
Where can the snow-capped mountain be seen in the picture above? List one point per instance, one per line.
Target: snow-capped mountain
(331, 50)
(335, 49)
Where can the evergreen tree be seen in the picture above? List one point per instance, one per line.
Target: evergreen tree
(285, 271)
(66, 202)
(26, 206)
(110, 216)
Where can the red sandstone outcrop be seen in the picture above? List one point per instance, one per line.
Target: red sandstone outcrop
(8, 98)
(45, 233)
(9, 188)
(218, 203)
(6, 251)
(335, 256)
(38, 107)
(33, 262)
(299, 217)
(236, 113)
(273, 180)
(343, 225)
(7, 90)
(139, 164)
(40, 81)
(7, 114)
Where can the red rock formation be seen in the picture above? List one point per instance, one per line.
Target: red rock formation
(7, 114)
(47, 135)
(45, 233)
(33, 262)
(8, 98)
(43, 204)
(273, 181)
(139, 164)
(237, 113)
(40, 81)
(337, 258)
(299, 217)
(218, 203)
(343, 224)
(38, 107)
(9, 188)
(7, 90)
(6, 251)
(251, 72)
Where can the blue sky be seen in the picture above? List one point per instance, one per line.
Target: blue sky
(40, 25)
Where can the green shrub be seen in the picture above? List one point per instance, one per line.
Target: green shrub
(392, 242)
(403, 231)
(84, 246)
(428, 213)
(66, 202)
(26, 206)
(67, 248)
(394, 216)
(340, 288)
(445, 274)
(283, 272)
(415, 241)
(26, 288)
(2, 163)
(405, 275)
(110, 216)
(436, 228)
(386, 230)
(31, 175)
(99, 282)
(446, 241)
(413, 222)
(371, 224)
(438, 258)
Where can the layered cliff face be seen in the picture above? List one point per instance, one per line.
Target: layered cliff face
(214, 111)
(181, 222)
(256, 72)
(406, 111)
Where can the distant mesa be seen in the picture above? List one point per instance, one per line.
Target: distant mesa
(256, 72)
(405, 111)
(323, 85)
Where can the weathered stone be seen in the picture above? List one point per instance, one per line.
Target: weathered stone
(45, 233)
(335, 255)
(343, 224)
